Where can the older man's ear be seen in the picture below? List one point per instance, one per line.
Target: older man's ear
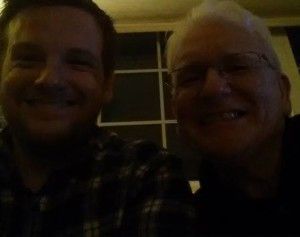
(285, 88)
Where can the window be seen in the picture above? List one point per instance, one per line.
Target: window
(141, 107)
(294, 38)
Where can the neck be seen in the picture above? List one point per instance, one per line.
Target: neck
(36, 163)
(256, 176)
(34, 174)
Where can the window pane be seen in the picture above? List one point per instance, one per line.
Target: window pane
(136, 132)
(136, 51)
(294, 37)
(136, 97)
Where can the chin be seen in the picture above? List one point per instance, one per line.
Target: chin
(49, 137)
(229, 153)
(50, 134)
(219, 146)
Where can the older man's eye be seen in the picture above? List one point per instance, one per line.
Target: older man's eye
(187, 78)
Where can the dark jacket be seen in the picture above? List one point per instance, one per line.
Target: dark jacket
(227, 211)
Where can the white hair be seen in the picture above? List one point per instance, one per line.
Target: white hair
(222, 11)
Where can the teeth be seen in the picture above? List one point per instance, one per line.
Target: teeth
(217, 117)
(229, 116)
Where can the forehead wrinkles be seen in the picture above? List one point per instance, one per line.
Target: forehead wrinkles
(211, 40)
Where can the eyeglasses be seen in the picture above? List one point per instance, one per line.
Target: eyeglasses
(235, 65)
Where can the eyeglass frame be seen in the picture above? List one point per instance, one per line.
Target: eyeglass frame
(220, 69)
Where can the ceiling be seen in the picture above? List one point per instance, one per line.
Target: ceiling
(164, 11)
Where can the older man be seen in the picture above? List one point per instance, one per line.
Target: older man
(232, 104)
(60, 175)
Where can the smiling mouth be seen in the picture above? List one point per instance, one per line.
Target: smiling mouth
(50, 102)
(222, 116)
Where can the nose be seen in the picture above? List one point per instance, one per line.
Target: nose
(51, 75)
(215, 83)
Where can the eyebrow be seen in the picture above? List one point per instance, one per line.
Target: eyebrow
(26, 46)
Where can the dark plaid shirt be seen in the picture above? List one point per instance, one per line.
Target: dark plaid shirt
(112, 189)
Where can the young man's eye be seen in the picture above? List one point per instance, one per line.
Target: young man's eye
(80, 64)
(26, 61)
(81, 60)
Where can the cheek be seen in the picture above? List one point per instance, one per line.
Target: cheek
(87, 81)
(13, 87)
(185, 106)
(18, 79)
(90, 87)
(267, 95)
(264, 97)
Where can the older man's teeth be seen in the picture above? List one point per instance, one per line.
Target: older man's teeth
(222, 117)
(230, 116)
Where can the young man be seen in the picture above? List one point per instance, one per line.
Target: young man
(60, 175)
(232, 104)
